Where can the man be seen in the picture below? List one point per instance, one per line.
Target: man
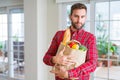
(78, 17)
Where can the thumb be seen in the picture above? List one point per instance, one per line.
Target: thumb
(53, 71)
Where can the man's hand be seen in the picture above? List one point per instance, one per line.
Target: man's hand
(59, 58)
(61, 72)
(62, 59)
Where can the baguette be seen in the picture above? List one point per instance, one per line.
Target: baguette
(66, 37)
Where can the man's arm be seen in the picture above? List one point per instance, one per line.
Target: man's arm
(47, 59)
(51, 57)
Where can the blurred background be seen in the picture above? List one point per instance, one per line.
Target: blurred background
(27, 27)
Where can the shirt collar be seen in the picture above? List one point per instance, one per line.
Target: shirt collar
(78, 31)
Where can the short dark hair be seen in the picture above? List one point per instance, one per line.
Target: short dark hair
(78, 6)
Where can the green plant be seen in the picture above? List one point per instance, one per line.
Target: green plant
(15, 38)
(113, 48)
(1, 46)
(102, 37)
(103, 45)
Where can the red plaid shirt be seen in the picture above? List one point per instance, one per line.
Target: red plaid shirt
(85, 38)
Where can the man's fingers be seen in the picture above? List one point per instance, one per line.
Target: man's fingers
(53, 71)
(57, 74)
(71, 60)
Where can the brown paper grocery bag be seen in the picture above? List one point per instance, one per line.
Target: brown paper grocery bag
(79, 55)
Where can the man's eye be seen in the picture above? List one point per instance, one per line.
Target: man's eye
(82, 16)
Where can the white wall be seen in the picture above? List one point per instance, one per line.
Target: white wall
(35, 39)
(52, 18)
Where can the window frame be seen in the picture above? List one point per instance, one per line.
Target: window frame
(9, 44)
(62, 17)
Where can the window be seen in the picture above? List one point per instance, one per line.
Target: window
(12, 40)
(106, 25)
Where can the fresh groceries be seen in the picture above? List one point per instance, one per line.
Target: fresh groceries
(66, 37)
(73, 43)
(76, 45)
(82, 48)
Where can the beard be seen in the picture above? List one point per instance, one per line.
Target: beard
(77, 27)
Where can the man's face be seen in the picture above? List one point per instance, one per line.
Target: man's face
(78, 18)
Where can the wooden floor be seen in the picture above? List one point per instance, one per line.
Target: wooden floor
(103, 72)
(19, 75)
(4, 77)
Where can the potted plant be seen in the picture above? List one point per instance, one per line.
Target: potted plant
(103, 45)
(102, 39)
(113, 49)
(1, 47)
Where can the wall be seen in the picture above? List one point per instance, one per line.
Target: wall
(35, 39)
(52, 19)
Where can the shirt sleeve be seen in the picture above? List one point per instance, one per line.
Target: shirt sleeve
(51, 51)
(90, 63)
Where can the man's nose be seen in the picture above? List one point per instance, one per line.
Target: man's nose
(79, 19)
